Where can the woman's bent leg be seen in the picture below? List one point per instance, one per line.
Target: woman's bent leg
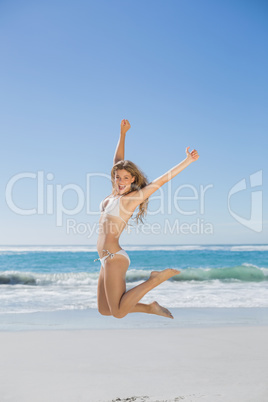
(103, 306)
(121, 302)
(152, 308)
(104, 309)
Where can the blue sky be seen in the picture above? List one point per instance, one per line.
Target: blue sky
(184, 73)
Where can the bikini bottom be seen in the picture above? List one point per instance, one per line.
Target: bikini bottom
(122, 252)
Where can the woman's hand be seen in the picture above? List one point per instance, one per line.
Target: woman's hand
(192, 156)
(125, 126)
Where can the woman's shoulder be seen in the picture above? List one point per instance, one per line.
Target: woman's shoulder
(132, 200)
(131, 195)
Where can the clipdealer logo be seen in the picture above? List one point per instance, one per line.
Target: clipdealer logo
(49, 198)
(255, 221)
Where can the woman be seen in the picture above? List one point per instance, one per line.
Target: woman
(130, 190)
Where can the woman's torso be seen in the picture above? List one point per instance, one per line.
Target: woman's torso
(113, 220)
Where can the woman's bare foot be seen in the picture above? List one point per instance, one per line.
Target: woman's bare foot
(159, 310)
(161, 276)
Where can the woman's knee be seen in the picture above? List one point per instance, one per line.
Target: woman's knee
(117, 313)
(104, 311)
(114, 312)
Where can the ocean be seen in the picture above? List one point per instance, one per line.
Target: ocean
(62, 278)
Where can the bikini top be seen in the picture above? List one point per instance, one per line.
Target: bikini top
(112, 208)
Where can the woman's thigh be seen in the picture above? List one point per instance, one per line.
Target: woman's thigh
(115, 281)
(103, 305)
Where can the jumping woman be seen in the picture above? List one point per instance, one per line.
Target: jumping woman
(130, 189)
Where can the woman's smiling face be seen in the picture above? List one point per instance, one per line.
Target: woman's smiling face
(123, 180)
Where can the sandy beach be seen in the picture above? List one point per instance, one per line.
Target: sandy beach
(180, 364)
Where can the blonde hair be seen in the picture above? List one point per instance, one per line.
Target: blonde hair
(139, 182)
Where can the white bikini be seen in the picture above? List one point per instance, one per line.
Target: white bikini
(112, 208)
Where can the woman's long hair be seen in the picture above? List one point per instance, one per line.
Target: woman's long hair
(139, 182)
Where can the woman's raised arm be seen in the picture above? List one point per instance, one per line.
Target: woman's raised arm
(120, 148)
(137, 197)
